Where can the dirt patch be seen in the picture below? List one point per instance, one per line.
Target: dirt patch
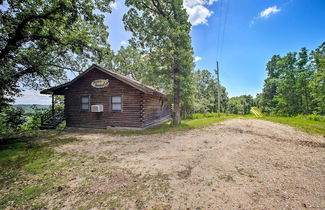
(277, 138)
(239, 163)
(184, 174)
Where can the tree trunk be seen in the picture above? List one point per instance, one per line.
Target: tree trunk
(177, 91)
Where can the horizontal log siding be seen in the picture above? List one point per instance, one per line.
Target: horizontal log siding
(153, 112)
(128, 117)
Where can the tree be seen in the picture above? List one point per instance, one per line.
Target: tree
(240, 104)
(134, 63)
(41, 39)
(11, 118)
(162, 28)
(295, 83)
(206, 94)
(317, 82)
(268, 102)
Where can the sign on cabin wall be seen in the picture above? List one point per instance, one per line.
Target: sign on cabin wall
(100, 83)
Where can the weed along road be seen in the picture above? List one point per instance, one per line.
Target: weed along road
(237, 163)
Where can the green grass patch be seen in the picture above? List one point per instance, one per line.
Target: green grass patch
(255, 111)
(166, 127)
(307, 125)
(25, 194)
(23, 159)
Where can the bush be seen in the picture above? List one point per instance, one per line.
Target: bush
(196, 116)
(316, 117)
(11, 119)
(206, 115)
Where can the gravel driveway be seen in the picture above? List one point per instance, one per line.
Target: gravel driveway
(239, 163)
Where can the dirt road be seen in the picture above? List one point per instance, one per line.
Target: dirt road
(239, 163)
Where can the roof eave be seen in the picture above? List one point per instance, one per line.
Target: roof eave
(113, 74)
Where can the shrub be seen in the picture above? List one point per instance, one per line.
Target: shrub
(197, 116)
(315, 117)
(11, 119)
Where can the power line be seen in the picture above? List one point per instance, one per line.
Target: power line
(220, 42)
(224, 28)
(219, 25)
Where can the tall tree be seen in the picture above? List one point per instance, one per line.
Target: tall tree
(134, 63)
(304, 74)
(162, 28)
(206, 95)
(317, 82)
(41, 39)
(270, 85)
(240, 104)
(295, 83)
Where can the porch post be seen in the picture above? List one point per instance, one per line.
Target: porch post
(53, 105)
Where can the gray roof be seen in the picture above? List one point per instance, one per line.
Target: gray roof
(134, 83)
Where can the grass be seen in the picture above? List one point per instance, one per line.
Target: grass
(23, 160)
(255, 111)
(165, 127)
(306, 125)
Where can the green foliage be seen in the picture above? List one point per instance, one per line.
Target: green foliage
(162, 29)
(240, 104)
(14, 120)
(194, 123)
(27, 156)
(255, 111)
(301, 123)
(315, 117)
(41, 40)
(295, 83)
(208, 115)
(206, 94)
(31, 108)
(11, 118)
(134, 63)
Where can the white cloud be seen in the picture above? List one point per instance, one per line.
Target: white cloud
(212, 1)
(124, 42)
(265, 14)
(197, 58)
(269, 11)
(198, 11)
(113, 5)
(33, 97)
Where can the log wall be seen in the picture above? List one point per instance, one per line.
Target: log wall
(138, 109)
(128, 117)
(155, 109)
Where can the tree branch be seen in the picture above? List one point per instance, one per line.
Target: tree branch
(18, 36)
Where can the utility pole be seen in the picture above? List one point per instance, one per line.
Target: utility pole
(219, 94)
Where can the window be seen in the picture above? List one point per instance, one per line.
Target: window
(85, 103)
(116, 103)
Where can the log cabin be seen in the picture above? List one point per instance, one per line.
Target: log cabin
(100, 98)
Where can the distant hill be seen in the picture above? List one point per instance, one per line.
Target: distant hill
(28, 108)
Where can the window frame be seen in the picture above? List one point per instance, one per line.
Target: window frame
(121, 103)
(81, 103)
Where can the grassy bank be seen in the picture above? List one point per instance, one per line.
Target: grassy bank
(165, 127)
(26, 168)
(309, 126)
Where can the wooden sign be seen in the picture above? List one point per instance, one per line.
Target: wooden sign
(100, 83)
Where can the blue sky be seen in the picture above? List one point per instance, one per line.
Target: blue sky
(254, 30)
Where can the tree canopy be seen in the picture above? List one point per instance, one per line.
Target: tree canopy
(42, 39)
(163, 30)
(295, 83)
